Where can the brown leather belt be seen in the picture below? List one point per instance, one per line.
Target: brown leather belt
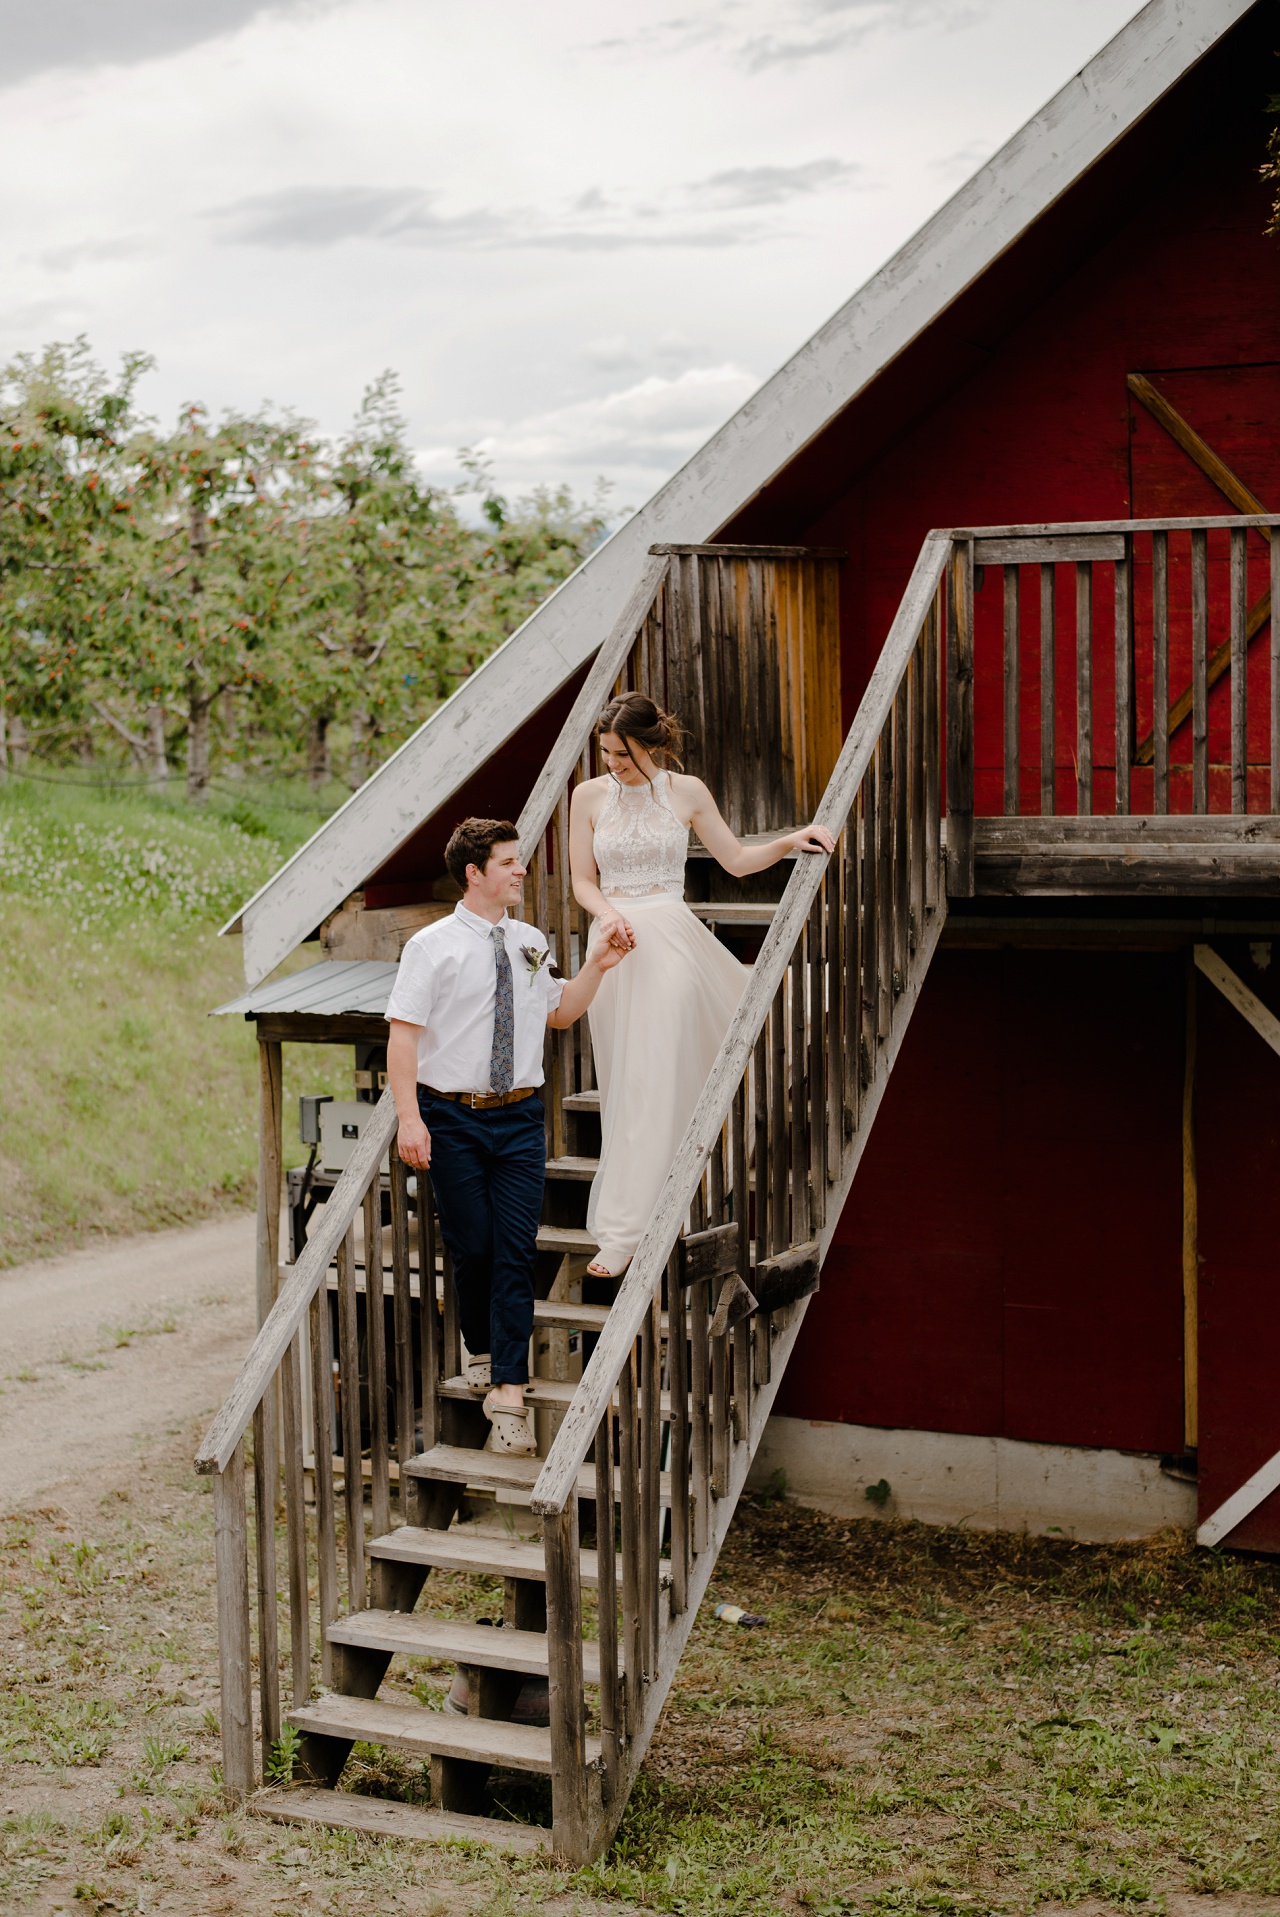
(483, 1101)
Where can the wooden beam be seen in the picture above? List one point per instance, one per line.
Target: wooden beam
(709, 1254)
(1237, 993)
(270, 1159)
(750, 552)
(1216, 470)
(1047, 549)
(1238, 1506)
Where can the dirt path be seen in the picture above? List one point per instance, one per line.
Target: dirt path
(103, 1351)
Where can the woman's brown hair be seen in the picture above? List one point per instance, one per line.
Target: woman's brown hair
(634, 716)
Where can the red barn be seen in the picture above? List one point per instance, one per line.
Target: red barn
(1007, 1074)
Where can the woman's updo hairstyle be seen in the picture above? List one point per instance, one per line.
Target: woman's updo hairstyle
(635, 717)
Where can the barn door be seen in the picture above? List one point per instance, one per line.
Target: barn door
(751, 643)
(1237, 1079)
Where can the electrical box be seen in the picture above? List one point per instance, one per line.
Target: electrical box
(309, 1115)
(342, 1126)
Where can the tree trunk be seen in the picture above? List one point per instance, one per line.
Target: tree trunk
(157, 759)
(318, 751)
(199, 707)
(358, 762)
(19, 747)
(4, 740)
(230, 734)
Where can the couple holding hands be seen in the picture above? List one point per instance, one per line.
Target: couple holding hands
(475, 992)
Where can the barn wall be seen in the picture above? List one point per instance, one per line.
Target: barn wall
(1009, 1261)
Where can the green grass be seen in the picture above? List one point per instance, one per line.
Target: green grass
(126, 1107)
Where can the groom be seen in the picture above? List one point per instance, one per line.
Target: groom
(471, 1000)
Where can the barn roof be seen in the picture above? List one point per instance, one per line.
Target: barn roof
(1057, 148)
(326, 989)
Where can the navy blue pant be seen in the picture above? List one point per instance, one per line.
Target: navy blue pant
(487, 1172)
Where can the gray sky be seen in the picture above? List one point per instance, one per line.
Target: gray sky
(581, 233)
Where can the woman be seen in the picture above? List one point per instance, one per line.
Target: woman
(657, 1022)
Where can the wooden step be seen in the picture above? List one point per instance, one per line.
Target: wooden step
(565, 1240)
(583, 1168)
(382, 1817)
(722, 912)
(444, 1640)
(423, 1733)
(581, 1102)
(559, 1316)
(478, 1553)
(543, 1394)
(496, 1471)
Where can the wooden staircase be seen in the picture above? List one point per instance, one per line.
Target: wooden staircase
(649, 1426)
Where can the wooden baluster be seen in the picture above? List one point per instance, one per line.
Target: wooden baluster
(1048, 687)
(295, 1509)
(760, 1148)
(797, 1055)
(742, 1382)
(1275, 668)
(1200, 671)
(870, 1019)
(402, 1308)
(1239, 671)
(650, 1492)
(932, 761)
(375, 1318)
(700, 1410)
(1012, 690)
(851, 984)
(960, 722)
(919, 748)
(266, 1471)
(1124, 676)
(231, 1558)
(629, 1500)
(451, 1361)
(815, 1071)
(833, 966)
(570, 1822)
(352, 1461)
(721, 1409)
(900, 853)
(611, 1726)
(776, 1170)
(678, 1374)
(430, 1330)
(885, 892)
(1084, 688)
(322, 1473)
(1160, 667)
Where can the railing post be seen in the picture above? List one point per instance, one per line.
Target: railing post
(231, 1559)
(960, 883)
(571, 1832)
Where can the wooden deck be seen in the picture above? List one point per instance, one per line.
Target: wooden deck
(1112, 857)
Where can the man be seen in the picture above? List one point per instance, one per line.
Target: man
(471, 1000)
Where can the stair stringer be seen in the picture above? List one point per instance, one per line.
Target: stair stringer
(786, 1330)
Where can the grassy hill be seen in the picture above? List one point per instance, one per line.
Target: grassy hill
(124, 1106)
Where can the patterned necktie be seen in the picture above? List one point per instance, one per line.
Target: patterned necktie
(502, 1061)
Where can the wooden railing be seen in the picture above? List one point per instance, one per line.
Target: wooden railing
(1094, 650)
(674, 1397)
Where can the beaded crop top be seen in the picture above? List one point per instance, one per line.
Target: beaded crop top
(640, 845)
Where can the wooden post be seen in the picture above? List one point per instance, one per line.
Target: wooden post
(1239, 672)
(231, 1558)
(1012, 689)
(960, 723)
(1160, 669)
(571, 1831)
(270, 1156)
(1199, 672)
(266, 1476)
(1084, 688)
(1190, 1230)
(1124, 675)
(1048, 687)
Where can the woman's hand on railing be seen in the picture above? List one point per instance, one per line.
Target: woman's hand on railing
(811, 838)
(413, 1142)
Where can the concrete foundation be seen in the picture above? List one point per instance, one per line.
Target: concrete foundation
(990, 1484)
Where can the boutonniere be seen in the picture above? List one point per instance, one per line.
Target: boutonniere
(535, 957)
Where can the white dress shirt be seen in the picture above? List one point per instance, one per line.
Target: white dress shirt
(446, 984)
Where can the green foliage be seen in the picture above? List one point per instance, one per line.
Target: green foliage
(244, 591)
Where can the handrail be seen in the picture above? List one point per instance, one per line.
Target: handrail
(1065, 529)
(286, 1315)
(559, 1475)
(577, 728)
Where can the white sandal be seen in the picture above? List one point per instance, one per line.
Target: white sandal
(479, 1370)
(511, 1432)
(609, 1265)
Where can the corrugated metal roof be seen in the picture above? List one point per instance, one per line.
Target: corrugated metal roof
(325, 990)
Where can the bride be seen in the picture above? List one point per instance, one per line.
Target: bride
(657, 1022)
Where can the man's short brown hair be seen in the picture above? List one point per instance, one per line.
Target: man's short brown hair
(472, 843)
